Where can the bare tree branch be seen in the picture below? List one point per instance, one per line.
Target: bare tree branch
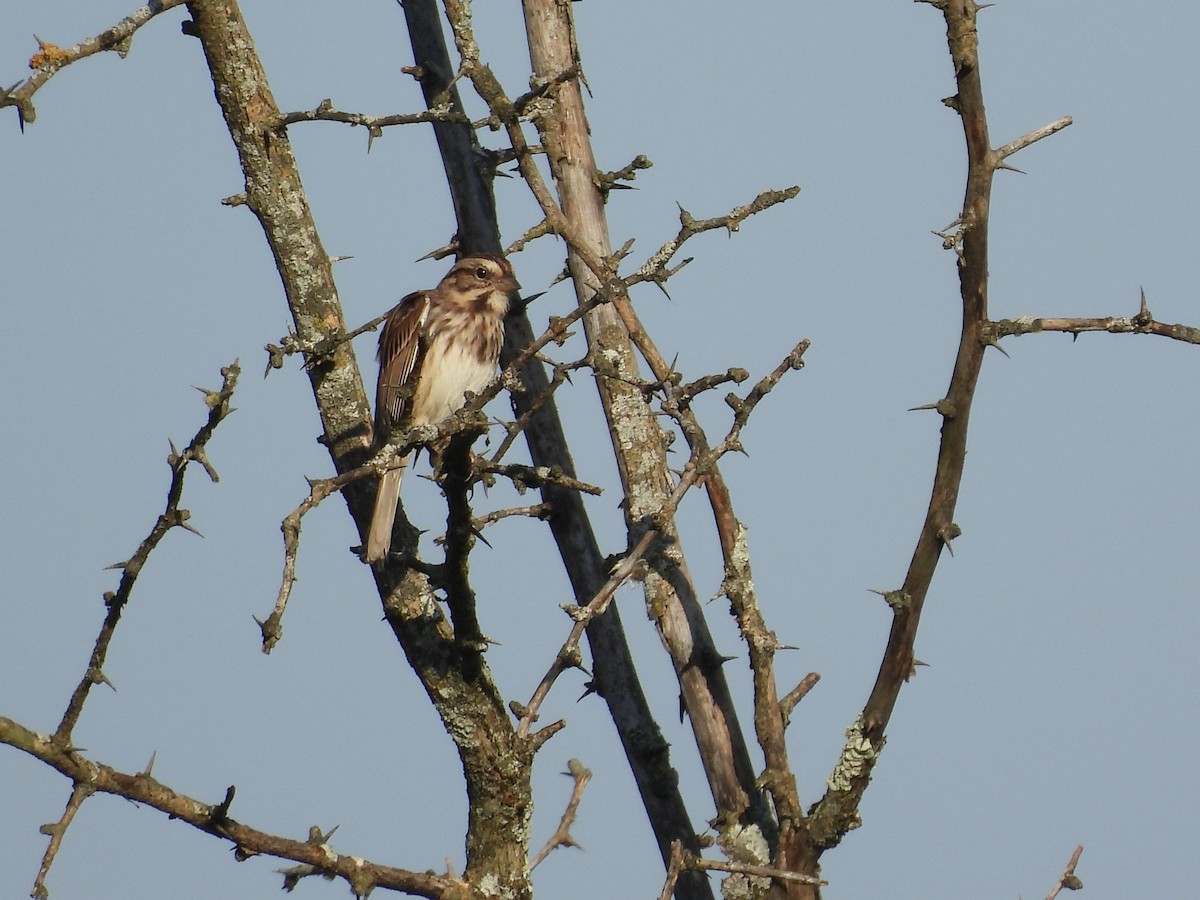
(50, 58)
(1141, 323)
(837, 811)
(174, 516)
(495, 763)
(56, 830)
(90, 776)
(562, 834)
(614, 674)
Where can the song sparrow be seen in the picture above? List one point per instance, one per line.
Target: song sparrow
(434, 346)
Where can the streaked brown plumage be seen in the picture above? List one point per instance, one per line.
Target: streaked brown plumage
(434, 347)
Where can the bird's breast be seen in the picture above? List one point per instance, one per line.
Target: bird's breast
(457, 360)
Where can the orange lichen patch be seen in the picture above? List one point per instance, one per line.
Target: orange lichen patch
(48, 55)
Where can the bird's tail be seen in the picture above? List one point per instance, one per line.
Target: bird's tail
(379, 538)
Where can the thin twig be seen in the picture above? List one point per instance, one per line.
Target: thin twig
(50, 58)
(697, 466)
(568, 655)
(655, 268)
(793, 697)
(218, 403)
(56, 830)
(562, 834)
(1033, 137)
(674, 869)
(213, 819)
(1141, 323)
(326, 112)
(749, 869)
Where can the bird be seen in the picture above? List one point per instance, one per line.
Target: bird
(434, 347)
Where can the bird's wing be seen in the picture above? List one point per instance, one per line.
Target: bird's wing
(399, 356)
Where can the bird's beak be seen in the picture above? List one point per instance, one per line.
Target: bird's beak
(509, 284)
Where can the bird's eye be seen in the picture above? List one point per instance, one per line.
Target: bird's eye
(481, 273)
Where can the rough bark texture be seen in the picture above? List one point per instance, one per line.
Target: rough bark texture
(496, 762)
(614, 675)
(636, 435)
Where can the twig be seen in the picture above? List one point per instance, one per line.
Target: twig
(318, 490)
(326, 112)
(697, 465)
(314, 350)
(1141, 323)
(56, 830)
(173, 516)
(1069, 879)
(683, 861)
(534, 511)
(608, 181)
(50, 58)
(90, 776)
(796, 694)
(674, 869)
(749, 869)
(523, 477)
(1033, 137)
(562, 834)
(568, 655)
(655, 268)
(837, 811)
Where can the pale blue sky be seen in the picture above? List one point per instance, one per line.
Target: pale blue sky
(1059, 705)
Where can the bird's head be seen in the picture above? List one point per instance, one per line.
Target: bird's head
(483, 282)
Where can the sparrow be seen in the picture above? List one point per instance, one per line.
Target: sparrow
(433, 348)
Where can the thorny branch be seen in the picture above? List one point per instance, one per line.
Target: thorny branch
(55, 831)
(523, 477)
(218, 403)
(614, 675)
(699, 463)
(50, 58)
(655, 268)
(325, 111)
(562, 834)
(173, 516)
(91, 776)
(1141, 323)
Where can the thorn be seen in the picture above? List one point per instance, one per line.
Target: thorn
(149, 766)
(589, 688)
(1143, 318)
(992, 342)
(948, 533)
(338, 259)
(182, 523)
(441, 252)
(220, 812)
